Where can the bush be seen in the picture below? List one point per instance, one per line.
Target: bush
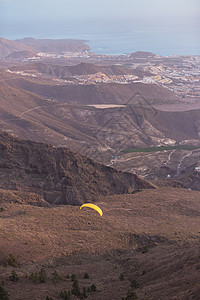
(86, 276)
(42, 276)
(84, 292)
(66, 295)
(93, 288)
(14, 277)
(49, 298)
(89, 289)
(34, 277)
(11, 261)
(56, 277)
(121, 276)
(75, 288)
(39, 277)
(134, 284)
(3, 293)
(73, 277)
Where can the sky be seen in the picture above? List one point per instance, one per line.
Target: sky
(72, 18)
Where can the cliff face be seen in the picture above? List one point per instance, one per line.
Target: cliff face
(59, 175)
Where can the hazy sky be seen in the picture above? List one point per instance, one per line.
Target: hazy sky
(94, 12)
(65, 18)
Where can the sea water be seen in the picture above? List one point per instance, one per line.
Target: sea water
(162, 40)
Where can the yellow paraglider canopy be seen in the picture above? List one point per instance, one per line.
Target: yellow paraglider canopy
(95, 207)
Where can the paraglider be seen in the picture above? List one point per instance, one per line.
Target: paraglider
(93, 206)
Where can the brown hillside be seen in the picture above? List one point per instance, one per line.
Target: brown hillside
(146, 218)
(20, 55)
(54, 46)
(112, 93)
(67, 71)
(151, 237)
(142, 54)
(30, 116)
(7, 47)
(79, 69)
(58, 174)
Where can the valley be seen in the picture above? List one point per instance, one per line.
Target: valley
(119, 131)
(72, 116)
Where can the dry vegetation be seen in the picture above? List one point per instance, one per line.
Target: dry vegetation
(153, 232)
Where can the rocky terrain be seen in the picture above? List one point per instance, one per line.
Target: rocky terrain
(59, 175)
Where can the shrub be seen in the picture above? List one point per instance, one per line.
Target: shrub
(86, 276)
(66, 295)
(3, 293)
(14, 277)
(93, 288)
(56, 277)
(49, 298)
(42, 276)
(134, 284)
(75, 288)
(73, 277)
(11, 261)
(39, 277)
(34, 277)
(89, 289)
(84, 292)
(121, 276)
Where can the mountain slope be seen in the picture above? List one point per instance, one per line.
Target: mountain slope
(54, 46)
(151, 238)
(58, 174)
(142, 54)
(62, 119)
(7, 47)
(102, 93)
(65, 72)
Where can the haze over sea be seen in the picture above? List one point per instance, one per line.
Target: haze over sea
(164, 42)
(111, 26)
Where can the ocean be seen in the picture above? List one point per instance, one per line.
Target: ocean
(165, 40)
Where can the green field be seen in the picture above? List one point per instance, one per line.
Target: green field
(161, 148)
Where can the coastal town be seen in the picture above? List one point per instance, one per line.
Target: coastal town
(180, 74)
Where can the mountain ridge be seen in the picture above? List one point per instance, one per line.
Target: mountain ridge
(59, 175)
